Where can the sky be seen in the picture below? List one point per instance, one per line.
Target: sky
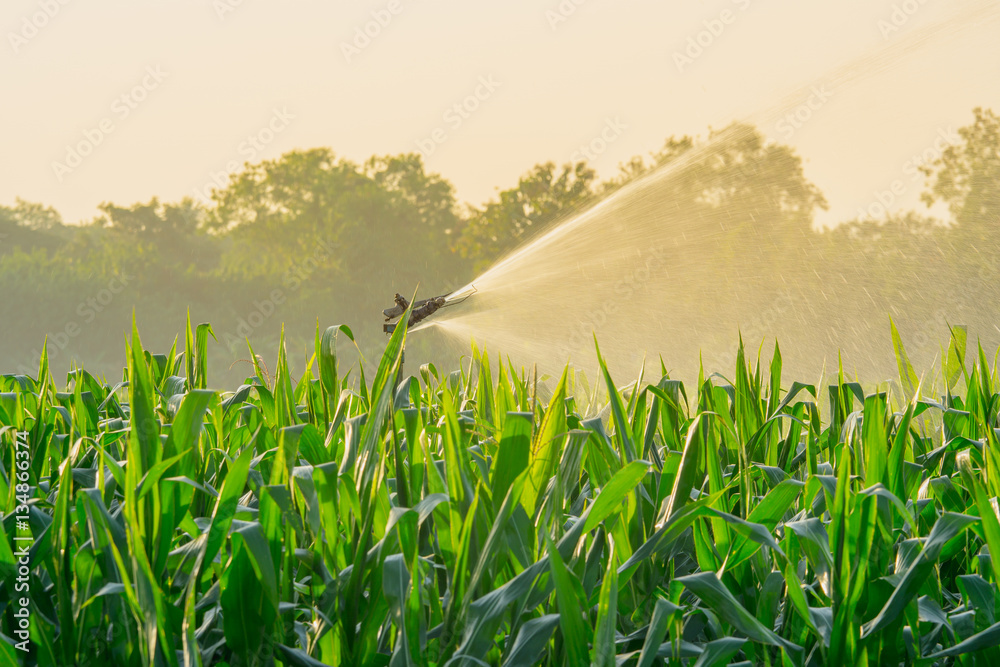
(123, 100)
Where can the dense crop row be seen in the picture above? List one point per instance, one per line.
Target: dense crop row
(466, 520)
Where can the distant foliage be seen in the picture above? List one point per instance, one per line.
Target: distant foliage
(966, 176)
(542, 197)
(312, 235)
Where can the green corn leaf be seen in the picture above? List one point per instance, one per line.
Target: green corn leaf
(603, 652)
(546, 448)
(907, 376)
(988, 638)
(531, 640)
(618, 412)
(664, 613)
(513, 455)
(718, 598)
(576, 633)
(950, 525)
(719, 651)
(621, 484)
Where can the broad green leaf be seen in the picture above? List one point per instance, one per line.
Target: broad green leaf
(718, 598)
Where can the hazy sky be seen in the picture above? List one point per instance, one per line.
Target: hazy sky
(164, 95)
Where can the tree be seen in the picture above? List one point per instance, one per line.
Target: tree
(36, 216)
(324, 227)
(161, 240)
(154, 222)
(419, 224)
(30, 226)
(277, 212)
(967, 176)
(542, 196)
(431, 198)
(904, 252)
(761, 183)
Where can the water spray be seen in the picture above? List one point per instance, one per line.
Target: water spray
(657, 268)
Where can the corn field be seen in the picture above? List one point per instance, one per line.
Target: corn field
(484, 517)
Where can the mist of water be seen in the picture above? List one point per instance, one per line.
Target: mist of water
(656, 275)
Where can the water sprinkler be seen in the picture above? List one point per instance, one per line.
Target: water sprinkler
(421, 309)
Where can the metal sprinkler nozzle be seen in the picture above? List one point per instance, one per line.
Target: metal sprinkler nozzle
(421, 310)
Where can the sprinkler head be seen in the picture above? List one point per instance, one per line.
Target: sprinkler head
(424, 308)
(421, 310)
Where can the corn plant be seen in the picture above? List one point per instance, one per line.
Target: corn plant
(465, 519)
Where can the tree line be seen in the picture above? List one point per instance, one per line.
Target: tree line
(310, 236)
